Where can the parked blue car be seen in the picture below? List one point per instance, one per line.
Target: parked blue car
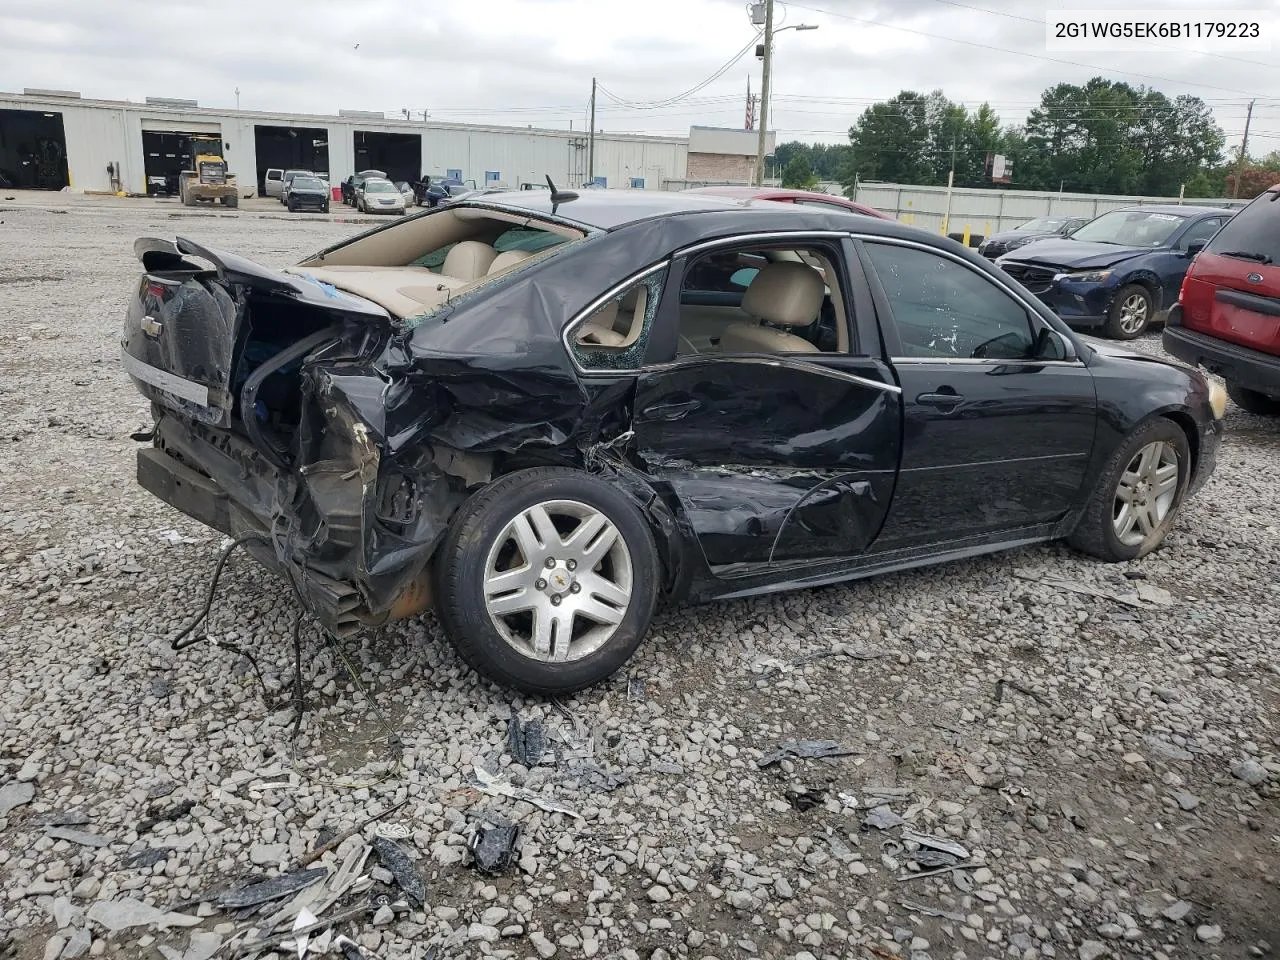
(1121, 271)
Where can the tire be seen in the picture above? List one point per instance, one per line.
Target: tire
(481, 545)
(1131, 312)
(232, 202)
(1254, 401)
(326, 207)
(1096, 533)
(293, 207)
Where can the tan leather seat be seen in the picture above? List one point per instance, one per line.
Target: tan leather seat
(507, 260)
(468, 260)
(787, 293)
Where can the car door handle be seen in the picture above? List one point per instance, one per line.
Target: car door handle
(671, 411)
(939, 399)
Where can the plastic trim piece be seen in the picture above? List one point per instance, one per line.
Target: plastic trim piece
(188, 390)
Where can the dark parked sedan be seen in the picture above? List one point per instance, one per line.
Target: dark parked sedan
(543, 412)
(308, 193)
(1121, 271)
(1040, 228)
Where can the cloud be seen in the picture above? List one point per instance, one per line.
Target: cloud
(532, 61)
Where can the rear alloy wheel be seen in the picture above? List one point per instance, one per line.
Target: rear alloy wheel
(1138, 494)
(1131, 312)
(1253, 401)
(547, 580)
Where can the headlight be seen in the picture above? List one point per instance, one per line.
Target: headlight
(1217, 399)
(1085, 276)
(1017, 242)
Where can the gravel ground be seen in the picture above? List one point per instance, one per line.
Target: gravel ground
(1111, 766)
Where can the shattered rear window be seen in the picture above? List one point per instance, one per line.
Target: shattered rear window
(616, 334)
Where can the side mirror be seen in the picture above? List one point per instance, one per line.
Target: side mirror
(1195, 246)
(1051, 345)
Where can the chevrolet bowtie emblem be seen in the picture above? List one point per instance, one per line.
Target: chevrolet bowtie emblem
(151, 326)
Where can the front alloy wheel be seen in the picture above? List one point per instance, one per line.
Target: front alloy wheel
(1131, 312)
(547, 579)
(1145, 493)
(1137, 494)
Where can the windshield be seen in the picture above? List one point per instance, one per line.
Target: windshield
(1253, 233)
(379, 186)
(1041, 225)
(307, 183)
(1130, 228)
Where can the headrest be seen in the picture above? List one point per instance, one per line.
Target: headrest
(507, 260)
(468, 260)
(785, 292)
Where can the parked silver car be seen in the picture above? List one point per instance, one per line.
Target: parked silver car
(379, 196)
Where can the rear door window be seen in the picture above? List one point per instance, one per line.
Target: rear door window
(1255, 230)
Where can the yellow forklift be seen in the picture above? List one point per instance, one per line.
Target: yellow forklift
(206, 177)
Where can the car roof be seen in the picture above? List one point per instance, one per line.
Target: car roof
(1181, 210)
(606, 209)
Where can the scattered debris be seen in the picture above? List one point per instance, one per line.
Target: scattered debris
(806, 798)
(158, 815)
(118, 915)
(941, 844)
(924, 874)
(1146, 596)
(77, 836)
(636, 692)
(264, 891)
(495, 786)
(804, 749)
(773, 666)
(394, 858)
(493, 844)
(392, 831)
(932, 911)
(335, 842)
(667, 767)
(527, 740)
(882, 818)
(173, 537)
(886, 794)
(15, 795)
(149, 858)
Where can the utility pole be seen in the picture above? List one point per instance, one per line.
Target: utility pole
(1244, 152)
(591, 137)
(764, 92)
(951, 179)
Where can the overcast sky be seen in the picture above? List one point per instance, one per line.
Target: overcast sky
(531, 61)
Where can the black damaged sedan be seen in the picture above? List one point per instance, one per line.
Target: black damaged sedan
(543, 413)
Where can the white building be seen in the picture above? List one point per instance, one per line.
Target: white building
(53, 139)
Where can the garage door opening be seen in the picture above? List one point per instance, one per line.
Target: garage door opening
(399, 154)
(290, 148)
(166, 153)
(33, 150)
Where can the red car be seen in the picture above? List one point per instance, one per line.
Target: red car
(809, 198)
(1227, 318)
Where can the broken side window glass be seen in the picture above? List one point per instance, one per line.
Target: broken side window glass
(614, 335)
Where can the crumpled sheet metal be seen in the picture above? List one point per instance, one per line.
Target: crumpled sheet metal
(809, 749)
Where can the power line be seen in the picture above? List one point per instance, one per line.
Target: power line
(692, 90)
(1016, 53)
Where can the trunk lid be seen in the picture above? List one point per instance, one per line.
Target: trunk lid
(190, 338)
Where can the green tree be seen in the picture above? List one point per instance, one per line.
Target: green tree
(798, 173)
(890, 141)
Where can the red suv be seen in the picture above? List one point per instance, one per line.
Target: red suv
(1227, 318)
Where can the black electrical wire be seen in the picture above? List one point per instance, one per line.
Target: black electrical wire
(184, 639)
